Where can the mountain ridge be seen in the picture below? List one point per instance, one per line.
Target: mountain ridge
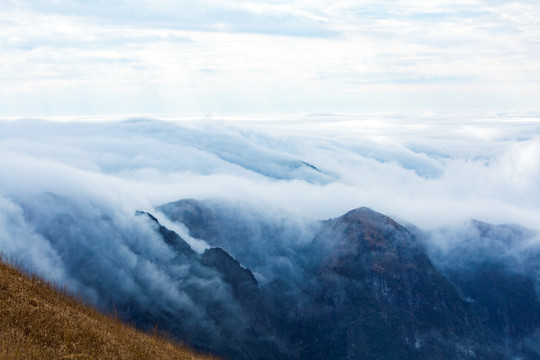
(373, 255)
(270, 285)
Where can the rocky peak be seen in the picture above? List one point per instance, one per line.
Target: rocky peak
(231, 269)
(366, 241)
(365, 229)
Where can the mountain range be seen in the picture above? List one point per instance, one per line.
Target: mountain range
(361, 286)
(264, 285)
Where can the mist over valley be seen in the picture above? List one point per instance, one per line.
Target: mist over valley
(319, 236)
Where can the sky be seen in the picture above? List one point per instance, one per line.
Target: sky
(75, 57)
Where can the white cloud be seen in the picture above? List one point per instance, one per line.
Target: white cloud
(431, 169)
(192, 57)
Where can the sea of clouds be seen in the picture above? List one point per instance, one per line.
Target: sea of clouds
(69, 189)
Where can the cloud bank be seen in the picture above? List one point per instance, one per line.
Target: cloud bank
(69, 192)
(430, 169)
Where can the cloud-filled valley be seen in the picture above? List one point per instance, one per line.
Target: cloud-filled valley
(262, 188)
(429, 170)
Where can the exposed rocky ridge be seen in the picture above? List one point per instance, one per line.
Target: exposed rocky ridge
(245, 330)
(364, 289)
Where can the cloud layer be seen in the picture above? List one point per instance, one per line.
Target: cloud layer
(69, 192)
(430, 169)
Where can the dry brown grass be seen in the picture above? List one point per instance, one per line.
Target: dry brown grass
(39, 322)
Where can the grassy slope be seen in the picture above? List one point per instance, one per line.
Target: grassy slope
(38, 322)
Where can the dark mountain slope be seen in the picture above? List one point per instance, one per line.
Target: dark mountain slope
(243, 325)
(375, 294)
(362, 288)
(496, 267)
(148, 275)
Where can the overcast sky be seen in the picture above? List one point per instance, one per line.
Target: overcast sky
(69, 57)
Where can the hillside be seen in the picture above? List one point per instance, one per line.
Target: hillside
(39, 322)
